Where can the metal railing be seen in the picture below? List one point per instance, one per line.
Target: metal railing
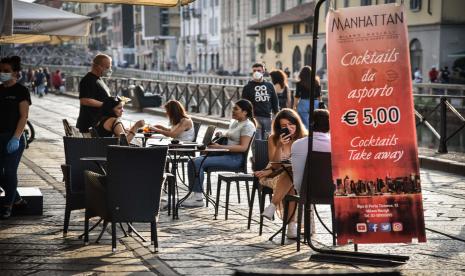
(432, 111)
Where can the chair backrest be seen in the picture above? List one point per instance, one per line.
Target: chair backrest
(123, 140)
(196, 130)
(93, 132)
(78, 147)
(245, 154)
(260, 155)
(134, 182)
(139, 91)
(320, 186)
(67, 127)
(207, 137)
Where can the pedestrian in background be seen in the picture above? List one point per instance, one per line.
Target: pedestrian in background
(279, 80)
(57, 81)
(417, 76)
(92, 92)
(263, 98)
(302, 94)
(445, 75)
(40, 82)
(14, 109)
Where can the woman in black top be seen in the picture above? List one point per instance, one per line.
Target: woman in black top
(279, 80)
(14, 109)
(302, 94)
(110, 124)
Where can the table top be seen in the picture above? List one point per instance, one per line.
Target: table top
(154, 136)
(196, 149)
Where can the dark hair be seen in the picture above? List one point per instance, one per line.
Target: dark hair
(278, 76)
(13, 61)
(305, 77)
(320, 120)
(258, 64)
(108, 106)
(294, 118)
(247, 106)
(175, 111)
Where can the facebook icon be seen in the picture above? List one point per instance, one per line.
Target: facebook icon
(373, 227)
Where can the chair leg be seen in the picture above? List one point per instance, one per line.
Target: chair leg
(262, 207)
(86, 229)
(105, 224)
(248, 192)
(299, 222)
(113, 236)
(333, 224)
(285, 215)
(154, 235)
(183, 172)
(218, 190)
(238, 192)
(209, 187)
(228, 188)
(66, 223)
(251, 202)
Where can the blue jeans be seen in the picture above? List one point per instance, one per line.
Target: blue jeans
(9, 163)
(263, 128)
(303, 108)
(227, 161)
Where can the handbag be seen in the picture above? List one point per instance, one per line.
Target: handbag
(220, 140)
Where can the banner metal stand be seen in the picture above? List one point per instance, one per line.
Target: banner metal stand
(331, 255)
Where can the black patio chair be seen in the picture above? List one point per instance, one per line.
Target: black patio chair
(241, 169)
(73, 169)
(131, 190)
(141, 100)
(322, 190)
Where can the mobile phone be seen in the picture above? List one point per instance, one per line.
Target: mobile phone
(285, 131)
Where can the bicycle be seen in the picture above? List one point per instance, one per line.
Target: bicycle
(29, 133)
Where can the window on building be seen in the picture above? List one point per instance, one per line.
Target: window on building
(308, 29)
(283, 5)
(346, 3)
(278, 40)
(268, 6)
(365, 2)
(254, 7)
(415, 5)
(416, 54)
(389, 1)
(238, 8)
(300, 2)
(308, 55)
(296, 28)
(324, 63)
(279, 65)
(296, 59)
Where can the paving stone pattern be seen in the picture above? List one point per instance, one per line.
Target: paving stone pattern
(196, 244)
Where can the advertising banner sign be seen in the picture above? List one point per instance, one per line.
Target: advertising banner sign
(374, 146)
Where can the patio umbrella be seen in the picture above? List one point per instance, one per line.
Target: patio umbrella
(33, 23)
(160, 3)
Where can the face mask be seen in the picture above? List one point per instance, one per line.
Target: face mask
(257, 75)
(107, 73)
(5, 77)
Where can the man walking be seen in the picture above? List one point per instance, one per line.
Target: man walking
(92, 92)
(263, 98)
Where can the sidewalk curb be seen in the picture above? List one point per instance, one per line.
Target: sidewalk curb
(442, 165)
(425, 161)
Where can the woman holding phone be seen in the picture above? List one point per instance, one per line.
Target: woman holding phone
(287, 127)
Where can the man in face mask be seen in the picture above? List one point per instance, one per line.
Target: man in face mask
(263, 98)
(92, 92)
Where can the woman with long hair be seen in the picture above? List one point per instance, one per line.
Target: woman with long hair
(279, 80)
(182, 127)
(302, 94)
(239, 135)
(287, 128)
(14, 110)
(110, 123)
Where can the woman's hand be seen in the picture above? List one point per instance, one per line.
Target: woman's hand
(139, 124)
(214, 146)
(285, 139)
(262, 173)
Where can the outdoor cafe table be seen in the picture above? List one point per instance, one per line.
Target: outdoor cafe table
(145, 139)
(180, 151)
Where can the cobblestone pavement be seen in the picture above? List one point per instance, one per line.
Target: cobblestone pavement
(196, 244)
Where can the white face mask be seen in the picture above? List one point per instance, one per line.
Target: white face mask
(257, 75)
(107, 73)
(5, 77)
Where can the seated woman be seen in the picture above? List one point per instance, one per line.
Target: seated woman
(287, 128)
(239, 135)
(182, 127)
(110, 124)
